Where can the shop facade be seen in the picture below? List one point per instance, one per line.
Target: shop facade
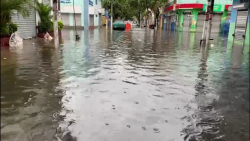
(189, 16)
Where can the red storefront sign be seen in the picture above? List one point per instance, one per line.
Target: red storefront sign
(184, 6)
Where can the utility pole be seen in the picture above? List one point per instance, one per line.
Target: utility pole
(55, 9)
(210, 15)
(111, 24)
(208, 19)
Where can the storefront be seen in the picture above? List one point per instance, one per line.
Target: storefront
(190, 15)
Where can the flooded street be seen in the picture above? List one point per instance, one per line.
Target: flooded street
(139, 85)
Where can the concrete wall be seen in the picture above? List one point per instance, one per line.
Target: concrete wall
(67, 7)
(97, 17)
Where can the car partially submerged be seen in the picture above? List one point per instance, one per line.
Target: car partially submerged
(119, 24)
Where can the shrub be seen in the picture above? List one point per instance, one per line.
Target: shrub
(44, 11)
(60, 25)
(8, 29)
(12, 28)
(45, 26)
(7, 8)
(4, 29)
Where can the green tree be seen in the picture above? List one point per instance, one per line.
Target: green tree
(44, 12)
(121, 9)
(155, 6)
(7, 9)
(126, 9)
(143, 7)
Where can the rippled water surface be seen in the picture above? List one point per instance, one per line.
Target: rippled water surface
(137, 85)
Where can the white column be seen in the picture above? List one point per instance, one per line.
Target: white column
(86, 14)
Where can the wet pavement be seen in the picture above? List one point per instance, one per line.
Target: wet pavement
(137, 85)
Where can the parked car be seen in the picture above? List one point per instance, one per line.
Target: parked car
(119, 24)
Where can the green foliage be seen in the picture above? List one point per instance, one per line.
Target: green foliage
(9, 6)
(8, 29)
(44, 12)
(45, 26)
(122, 9)
(12, 28)
(126, 9)
(4, 29)
(60, 25)
(7, 9)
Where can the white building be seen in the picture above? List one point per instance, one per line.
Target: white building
(95, 13)
(27, 26)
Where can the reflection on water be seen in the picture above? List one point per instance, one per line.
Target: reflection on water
(125, 85)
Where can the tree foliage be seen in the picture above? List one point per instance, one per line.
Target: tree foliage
(8, 7)
(121, 8)
(126, 9)
(44, 12)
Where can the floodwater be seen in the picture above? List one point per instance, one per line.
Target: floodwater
(137, 85)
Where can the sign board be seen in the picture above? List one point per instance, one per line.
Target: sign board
(101, 11)
(91, 2)
(66, 1)
(217, 7)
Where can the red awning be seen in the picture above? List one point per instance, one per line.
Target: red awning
(185, 6)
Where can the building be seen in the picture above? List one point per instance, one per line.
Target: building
(69, 19)
(27, 26)
(239, 24)
(189, 15)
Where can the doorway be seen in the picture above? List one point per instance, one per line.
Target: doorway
(186, 23)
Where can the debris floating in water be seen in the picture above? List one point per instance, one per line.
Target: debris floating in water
(156, 130)
(144, 128)
(128, 126)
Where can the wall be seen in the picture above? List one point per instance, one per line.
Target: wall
(97, 6)
(67, 7)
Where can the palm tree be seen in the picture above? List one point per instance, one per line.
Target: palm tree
(44, 12)
(7, 9)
